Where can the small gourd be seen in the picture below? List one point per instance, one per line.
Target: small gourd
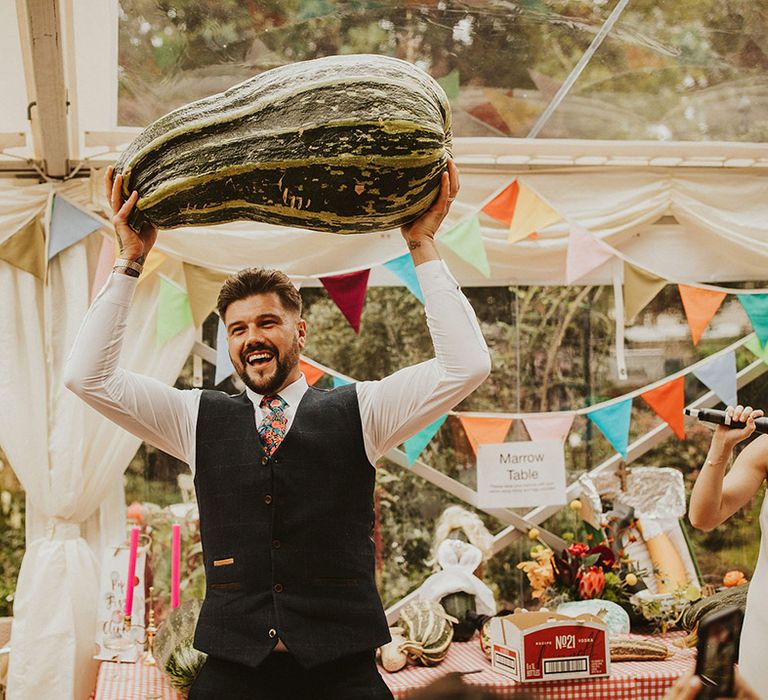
(393, 658)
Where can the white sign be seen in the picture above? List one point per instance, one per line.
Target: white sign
(519, 474)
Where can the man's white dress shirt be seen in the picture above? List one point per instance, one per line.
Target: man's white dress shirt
(391, 409)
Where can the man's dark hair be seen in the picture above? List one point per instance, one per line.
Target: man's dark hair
(257, 280)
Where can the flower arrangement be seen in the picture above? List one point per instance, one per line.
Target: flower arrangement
(580, 572)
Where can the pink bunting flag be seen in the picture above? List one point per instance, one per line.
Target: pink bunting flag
(104, 266)
(348, 292)
(585, 253)
(554, 427)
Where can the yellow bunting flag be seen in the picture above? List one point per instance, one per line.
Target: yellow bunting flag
(203, 287)
(700, 306)
(25, 249)
(517, 113)
(531, 215)
(154, 260)
(481, 430)
(640, 288)
(311, 372)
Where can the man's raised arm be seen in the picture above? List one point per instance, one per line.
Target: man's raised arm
(159, 414)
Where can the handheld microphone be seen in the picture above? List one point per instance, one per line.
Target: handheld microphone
(713, 415)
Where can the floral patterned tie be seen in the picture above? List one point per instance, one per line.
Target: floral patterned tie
(273, 425)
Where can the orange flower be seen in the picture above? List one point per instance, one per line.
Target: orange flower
(135, 513)
(734, 578)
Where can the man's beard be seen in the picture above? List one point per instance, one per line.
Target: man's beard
(283, 367)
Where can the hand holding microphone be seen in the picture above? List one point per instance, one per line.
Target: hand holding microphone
(733, 424)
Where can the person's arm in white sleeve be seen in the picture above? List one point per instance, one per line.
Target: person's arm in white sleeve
(161, 415)
(398, 406)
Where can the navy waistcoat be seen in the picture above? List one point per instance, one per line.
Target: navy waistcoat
(287, 539)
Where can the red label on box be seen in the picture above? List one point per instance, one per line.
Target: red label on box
(562, 650)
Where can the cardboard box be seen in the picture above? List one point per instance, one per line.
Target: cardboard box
(544, 646)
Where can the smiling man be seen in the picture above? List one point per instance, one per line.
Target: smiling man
(284, 473)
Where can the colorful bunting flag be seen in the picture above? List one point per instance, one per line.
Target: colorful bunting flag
(482, 430)
(753, 345)
(68, 226)
(203, 286)
(348, 291)
(465, 240)
(450, 84)
(104, 266)
(173, 311)
(338, 381)
(756, 306)
(415, 445)
(25, 249)
(405, 270)
(224, 367)
(312, 373)
(551, 427)
(719, 375)
(668, 400)
(153, 262)
(502, 206)
(613, 422)
(532, 214)
(585, 253)
(700, 306)
(640, 288)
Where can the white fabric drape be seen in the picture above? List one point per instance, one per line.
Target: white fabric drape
(721, 234)
(70, 462)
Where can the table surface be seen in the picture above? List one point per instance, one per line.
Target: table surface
(629, 680)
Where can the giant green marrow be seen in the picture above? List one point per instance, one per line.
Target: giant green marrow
(343, 144)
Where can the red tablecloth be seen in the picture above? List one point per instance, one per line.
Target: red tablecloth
(630, 680)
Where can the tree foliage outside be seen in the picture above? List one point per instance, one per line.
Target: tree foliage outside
(683, 70)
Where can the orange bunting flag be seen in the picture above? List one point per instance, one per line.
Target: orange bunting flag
(348, 291)
(502, 206)
(700, 306)
(311, 372)
(668, 400)
(485, 430)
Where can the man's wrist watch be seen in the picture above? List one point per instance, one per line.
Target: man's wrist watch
(128, 267)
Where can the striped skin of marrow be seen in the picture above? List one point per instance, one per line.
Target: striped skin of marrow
(428, 631)
(342, 144)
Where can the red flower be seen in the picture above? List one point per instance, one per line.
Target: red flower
(577, 549)
(592, 583)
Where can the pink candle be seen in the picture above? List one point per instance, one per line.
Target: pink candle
(130, 584)
(175, 563)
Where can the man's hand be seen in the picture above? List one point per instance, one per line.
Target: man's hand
(688, 686)
(133, 246)
(422, 231)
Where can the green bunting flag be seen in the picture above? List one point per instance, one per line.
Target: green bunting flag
(753, 345)
(756, 306)
(415, 446)
(465, 240)
(174, 313)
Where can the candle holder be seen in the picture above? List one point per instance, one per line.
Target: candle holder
(120, 634)
(151, 631)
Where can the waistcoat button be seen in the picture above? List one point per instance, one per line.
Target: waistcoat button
(276, 544)
(267, 499)
(272, 633)
(278, 588)
(265, 460)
